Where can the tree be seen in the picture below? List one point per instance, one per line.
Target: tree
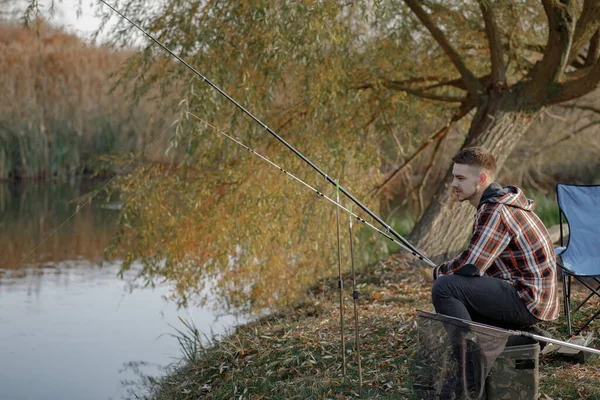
(341, 81)
(222, 215)
(514, 89)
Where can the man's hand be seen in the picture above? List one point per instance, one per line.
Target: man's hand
(468, 270)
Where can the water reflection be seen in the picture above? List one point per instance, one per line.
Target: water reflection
(70, 328)
(29, 212)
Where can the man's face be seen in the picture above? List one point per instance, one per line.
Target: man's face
(466, 181)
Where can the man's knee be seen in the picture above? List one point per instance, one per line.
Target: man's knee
(442, 288)
(442, 284)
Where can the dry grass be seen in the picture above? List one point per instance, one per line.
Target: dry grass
(56, 110)
(295, 353)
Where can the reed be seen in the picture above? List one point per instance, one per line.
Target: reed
(57, 110)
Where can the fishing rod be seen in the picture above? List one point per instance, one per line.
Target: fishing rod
(387, 227)
(340, 281)
(511, 332)
(351, 234)
(355, 298)
(315, 190)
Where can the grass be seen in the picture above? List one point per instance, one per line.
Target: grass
(295, 352)
(57, 110)
(546, 208)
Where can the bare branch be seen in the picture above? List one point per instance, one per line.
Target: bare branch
(491, 31)
(538, 48)
(457, 83)
(471, 82)
(576, 87)
(577, 63)
(577, 74)
(434, 138)
(426, 176)
(561, 26)
(419, 92)
(422, 94)
(565, 138)
(419, 79)
(594, 50)
(407, 81)
(587, 25)
(584, 107)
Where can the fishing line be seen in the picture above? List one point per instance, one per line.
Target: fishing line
(406, 245)
(89, 200)
(320, 194)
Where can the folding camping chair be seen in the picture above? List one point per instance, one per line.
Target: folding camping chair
(580, 257)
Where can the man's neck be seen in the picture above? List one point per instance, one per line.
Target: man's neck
(477, 198)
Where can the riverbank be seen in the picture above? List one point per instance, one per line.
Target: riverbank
(295, 353)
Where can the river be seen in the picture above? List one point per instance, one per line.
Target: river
(70, 328)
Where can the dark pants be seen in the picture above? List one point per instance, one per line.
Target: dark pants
(481, 299)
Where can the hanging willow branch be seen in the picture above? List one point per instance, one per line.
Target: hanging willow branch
(426, 176)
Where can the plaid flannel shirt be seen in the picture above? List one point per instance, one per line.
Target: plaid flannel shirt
(510, 242)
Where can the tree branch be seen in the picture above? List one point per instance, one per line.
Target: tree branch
(577, 74)
(587, 25)
(395, 85)
(584, 107)
(577, 63)
(434, 138)
(426, 176)
(538, 48)
(565, 138)
(576, 87)
(561, 26)
(419, 92)
(471, 82)
(419, 79)
(457, 83)
(491, 31)
(594, 50)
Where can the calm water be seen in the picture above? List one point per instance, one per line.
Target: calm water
(69, 327)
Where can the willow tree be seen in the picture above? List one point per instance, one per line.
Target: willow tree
(340, 81)
(537, 54)
(220, 218)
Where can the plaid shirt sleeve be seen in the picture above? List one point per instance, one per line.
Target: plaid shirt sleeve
(490, 238)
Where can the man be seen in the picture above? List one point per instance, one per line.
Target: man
(507, 275)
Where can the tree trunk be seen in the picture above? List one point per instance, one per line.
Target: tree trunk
(445, 227)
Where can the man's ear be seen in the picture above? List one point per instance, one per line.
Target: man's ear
(482, 178)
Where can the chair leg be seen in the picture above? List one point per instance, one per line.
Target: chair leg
(587, 298)
(567, 298)
(594, 291)
(582, 327)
